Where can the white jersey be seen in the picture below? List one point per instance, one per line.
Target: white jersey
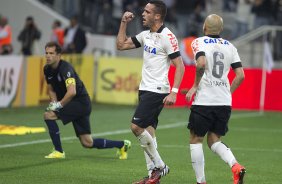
(214, 87)
(159, 48)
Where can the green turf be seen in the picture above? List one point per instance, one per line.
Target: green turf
(254, 139)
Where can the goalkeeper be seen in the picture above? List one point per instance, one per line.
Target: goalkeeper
(70, 102)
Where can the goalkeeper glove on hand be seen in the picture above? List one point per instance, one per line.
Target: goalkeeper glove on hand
(49, 106)
(54, 106)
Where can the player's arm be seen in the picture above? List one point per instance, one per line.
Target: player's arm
(179, 72)
(71, 91)
(51, 93)
(240, 76)
(123, 42)
(200, 70)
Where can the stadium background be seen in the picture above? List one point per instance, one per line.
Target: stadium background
(106, 66)
(112, 78)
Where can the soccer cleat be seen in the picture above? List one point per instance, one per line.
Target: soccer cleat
(122, 152)
(56, 154)
(144, 180)
(157, 174)
(238, 173)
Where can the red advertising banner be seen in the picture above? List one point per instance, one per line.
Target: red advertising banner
(247, 96)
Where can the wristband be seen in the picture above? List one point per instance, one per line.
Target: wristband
(175, 90)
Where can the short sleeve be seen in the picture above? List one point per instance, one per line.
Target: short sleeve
(236, 57)
(198, 48)
(138, 39)
(171, 46)
(236, 61)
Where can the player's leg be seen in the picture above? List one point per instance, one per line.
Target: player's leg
(199, 123)
(149, 163)
(197, 156)
(88, 141)
(225, 153)
(222, 150)
(54, 132)
(146, 114)
(83, 132)
(69, 112)
(147, 143)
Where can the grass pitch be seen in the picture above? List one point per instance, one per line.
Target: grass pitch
(254, 138)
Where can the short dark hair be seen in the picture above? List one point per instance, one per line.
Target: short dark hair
(160, 8)
(29, 18)
(58, 49)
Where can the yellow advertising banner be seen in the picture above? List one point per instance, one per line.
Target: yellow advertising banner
(36, 86)
(118, 80)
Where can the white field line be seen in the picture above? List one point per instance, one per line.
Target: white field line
(117, 132)
(233, 148)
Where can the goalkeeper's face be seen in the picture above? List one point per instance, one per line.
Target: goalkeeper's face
(52, 57)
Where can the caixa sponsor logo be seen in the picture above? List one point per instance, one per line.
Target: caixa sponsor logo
(216, 40)
(129, 83)
(150, 49)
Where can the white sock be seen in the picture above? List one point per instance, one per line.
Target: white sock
(198, 161)
(150, 164)
(149, 147)
(224, 152)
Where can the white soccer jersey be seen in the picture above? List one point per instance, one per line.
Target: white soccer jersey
(159, 48)
(214, 87)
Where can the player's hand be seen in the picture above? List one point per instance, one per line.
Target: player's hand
(50, 104)
(54, 106)
(170, 99)
(127, 17)
(190, 93)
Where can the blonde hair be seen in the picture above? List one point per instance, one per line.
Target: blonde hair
(213, 24)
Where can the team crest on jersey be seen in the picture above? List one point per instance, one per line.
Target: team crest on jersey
(195, 46)
(150, 50)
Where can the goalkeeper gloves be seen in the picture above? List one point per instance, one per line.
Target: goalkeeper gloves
(54, 106)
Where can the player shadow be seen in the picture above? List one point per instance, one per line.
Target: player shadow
(8, 169)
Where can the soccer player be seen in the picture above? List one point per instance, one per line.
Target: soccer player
(160, 49)
(70, 102)
(211, 108)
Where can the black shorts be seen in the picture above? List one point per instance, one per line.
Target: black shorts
(78, 112)
(205, 119)
(149, 107)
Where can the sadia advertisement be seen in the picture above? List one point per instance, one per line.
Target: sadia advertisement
(118, 80)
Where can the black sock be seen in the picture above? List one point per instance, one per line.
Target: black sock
(104, 143)
(54, 133)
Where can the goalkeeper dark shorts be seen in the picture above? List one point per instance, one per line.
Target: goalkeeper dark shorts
(205, 119)
(149, 107)
(78, 112)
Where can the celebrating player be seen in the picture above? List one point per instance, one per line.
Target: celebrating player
(160, 49)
